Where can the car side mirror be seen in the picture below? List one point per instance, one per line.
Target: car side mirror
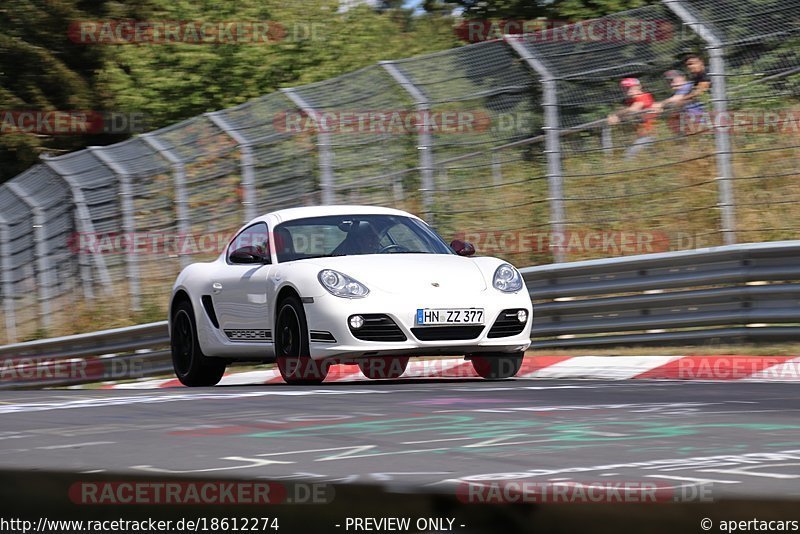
(462, 248)
(248, 254)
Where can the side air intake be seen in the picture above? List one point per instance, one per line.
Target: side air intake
(208, 305)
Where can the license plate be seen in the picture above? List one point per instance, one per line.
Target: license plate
(438, 316)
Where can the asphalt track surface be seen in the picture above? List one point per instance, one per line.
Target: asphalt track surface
(740, 438)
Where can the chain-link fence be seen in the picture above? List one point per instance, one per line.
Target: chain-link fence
(524, 145)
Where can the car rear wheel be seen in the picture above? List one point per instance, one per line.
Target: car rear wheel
(292, 353)
(383, 367)
(192, 367)
(497, 366)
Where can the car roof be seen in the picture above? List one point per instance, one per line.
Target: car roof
(319, 211)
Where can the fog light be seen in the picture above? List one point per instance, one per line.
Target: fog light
(522, 316)
(356, 322)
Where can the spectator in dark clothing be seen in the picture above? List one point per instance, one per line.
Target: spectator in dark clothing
(697, 75)
(638, 105)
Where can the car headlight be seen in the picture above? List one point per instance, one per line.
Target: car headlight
(507, 279)
(342, 285)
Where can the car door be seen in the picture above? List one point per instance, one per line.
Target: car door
(239, 288)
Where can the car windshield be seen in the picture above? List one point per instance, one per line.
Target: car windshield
(351, 235)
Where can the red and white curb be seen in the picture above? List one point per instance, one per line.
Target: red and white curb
(747, 368)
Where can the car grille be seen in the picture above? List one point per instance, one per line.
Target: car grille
(507, 325)
(446, 333)
(378, 327)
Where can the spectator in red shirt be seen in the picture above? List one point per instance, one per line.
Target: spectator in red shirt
(638, 106)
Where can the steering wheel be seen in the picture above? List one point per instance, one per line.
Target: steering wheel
(393, 247)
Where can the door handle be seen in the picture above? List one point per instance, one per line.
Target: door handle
(216, 287)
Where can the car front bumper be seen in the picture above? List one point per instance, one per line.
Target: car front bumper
(330, 314)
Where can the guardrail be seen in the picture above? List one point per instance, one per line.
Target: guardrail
(747, 292)
(116, 354)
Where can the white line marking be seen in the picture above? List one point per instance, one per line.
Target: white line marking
(433, 441)
(100, 402)
(494, 442)
(253, 462)
(86, 444)
(330, 449)
(350, 455)
(748, 471)
(692, 479)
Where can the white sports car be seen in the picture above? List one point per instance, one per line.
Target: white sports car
(309, 287)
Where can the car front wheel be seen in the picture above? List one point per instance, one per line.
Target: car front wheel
(192, 367)
(497, 366)
(292, 354)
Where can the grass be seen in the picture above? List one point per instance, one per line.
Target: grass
(669, 193)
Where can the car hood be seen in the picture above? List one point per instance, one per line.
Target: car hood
(401, 273)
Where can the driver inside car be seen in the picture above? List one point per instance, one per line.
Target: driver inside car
(361, 239)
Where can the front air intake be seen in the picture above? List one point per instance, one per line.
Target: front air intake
(378, 327)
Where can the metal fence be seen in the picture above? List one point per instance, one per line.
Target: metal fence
(720, 295)
(529, 169)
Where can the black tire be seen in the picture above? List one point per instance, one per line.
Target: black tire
(291, 345)
(383, 367)
(192, 367)
(497, 366)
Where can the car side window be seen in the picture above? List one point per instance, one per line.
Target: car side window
(254, 239)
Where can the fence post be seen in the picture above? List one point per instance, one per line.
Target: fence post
(128, 225)
(606, 139)
(41, 253)
(179, 179)
(424, 139)
(323, 144)
(552, 150)
(497, 168)
(8, 283)
(247, 164)
(719, 100)
(85, 227)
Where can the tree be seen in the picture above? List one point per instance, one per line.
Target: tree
(584, 10)
(41, 69)
(175, 81)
